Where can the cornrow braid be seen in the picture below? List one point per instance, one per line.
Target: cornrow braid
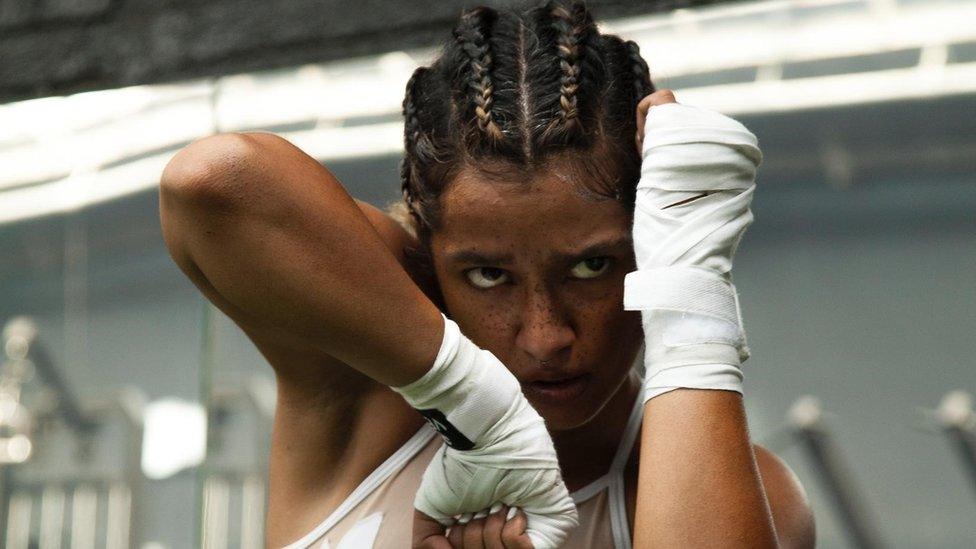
(580, 72)
(415, 143)
(567, 47)
(514, 90)
(472, 37)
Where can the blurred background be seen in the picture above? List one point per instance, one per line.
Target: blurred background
(134, 414)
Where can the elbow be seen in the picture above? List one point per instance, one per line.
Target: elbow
(202, 181)
(208, 173)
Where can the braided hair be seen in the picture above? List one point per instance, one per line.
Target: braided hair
(521, 89)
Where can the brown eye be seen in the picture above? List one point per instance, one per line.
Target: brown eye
(486, 277)
(591, 268)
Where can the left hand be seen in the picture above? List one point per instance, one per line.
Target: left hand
(660, 97)
(692, 206)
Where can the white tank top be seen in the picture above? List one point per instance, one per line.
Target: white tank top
(379, 512)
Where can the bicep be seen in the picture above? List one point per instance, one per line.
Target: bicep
(788, 501)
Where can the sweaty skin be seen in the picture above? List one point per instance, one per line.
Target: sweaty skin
(273, 239)
(694, 443)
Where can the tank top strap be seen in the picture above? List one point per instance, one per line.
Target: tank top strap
(617, 486)
(633, 422)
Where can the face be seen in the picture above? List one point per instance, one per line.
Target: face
(533, 271)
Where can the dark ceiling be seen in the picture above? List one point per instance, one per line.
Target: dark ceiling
(58, 47)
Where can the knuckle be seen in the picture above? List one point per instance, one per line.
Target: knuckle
(495, 521)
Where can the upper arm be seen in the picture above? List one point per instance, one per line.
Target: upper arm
(398, 240)
(788, 501)
(199, 183)
(333, 424)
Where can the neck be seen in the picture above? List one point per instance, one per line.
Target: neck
(586, 452)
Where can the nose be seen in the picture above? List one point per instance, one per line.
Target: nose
(544, 331)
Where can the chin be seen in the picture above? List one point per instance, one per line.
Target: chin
(566, 417)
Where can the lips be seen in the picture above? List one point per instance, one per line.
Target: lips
(550, 375)
(556, 391)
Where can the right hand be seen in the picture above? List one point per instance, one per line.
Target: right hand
(497, 449)
(516, 467)
(490, 529)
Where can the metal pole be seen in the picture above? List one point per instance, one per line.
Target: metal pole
(52, 517)
(216, 512)
(252, 512)
(958, 421)
(118, 516)
(806, 418)
(19, 520)
(84, 513)
(20, 334)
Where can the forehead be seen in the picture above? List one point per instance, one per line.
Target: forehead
(545, 210)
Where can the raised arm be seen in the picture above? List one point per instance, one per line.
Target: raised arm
(699, 481)
(275, 241)
(233, 217)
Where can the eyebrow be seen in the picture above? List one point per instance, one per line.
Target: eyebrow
(593, 250)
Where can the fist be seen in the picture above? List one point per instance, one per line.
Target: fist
(501, 527)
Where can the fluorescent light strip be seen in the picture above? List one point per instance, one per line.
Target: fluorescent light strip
(84, 189)
(675, 50)
(81, 133)
(332, 144)
(832, 91)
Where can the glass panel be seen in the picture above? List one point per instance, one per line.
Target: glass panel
(118, 326)
(33, 312)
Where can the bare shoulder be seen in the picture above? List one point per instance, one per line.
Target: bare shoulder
(788, 501)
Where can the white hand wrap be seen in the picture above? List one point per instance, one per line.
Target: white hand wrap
(684, 244)
(498, 449)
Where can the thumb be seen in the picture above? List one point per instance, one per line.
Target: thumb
(428, 533)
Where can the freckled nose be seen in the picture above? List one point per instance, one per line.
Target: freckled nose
(544, 332)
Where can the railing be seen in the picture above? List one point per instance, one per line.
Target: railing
(70, 472)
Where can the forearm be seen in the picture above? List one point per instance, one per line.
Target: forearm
(699, 485)
(284, 245)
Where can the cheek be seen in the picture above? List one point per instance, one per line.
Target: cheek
(600, 302)
(605, 331)
(485, 317)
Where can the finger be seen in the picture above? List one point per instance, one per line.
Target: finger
(473, 534)
(513, 534)
(428, 533)
(493, 527)
(455, 536)
(660, 97)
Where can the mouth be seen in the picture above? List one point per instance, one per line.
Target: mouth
(557, 392)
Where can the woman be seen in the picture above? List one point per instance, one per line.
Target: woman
(520, 179)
